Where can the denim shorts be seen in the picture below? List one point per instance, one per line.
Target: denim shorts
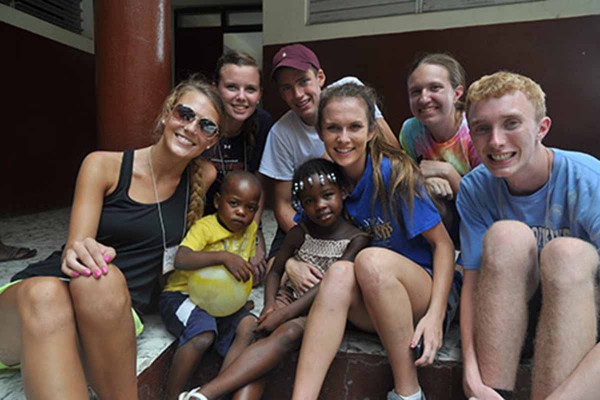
(185, 320)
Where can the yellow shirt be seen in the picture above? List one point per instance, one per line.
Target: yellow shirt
(207, 234)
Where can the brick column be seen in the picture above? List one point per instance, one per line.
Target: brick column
(133, 69)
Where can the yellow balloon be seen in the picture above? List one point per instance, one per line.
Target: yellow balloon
(216, 291)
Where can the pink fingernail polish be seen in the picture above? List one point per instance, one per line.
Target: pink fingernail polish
(104, 270)
(75, 274)
(97, 273)
(106, 258)
(87, 272)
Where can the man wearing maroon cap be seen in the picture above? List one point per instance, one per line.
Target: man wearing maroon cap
(293, 139)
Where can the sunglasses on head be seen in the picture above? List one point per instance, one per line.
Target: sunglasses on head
(185, 115)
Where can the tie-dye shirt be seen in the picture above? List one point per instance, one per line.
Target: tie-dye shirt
(419, 144)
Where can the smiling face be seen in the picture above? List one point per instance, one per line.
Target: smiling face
(239, 87)
(237, 203)
(345, 133)
(431, 95)
(507, 136)
(301, 91)
(185, 137)
(322, 204)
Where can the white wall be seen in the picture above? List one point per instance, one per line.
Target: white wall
(284, 20)
(249, 42)
(84, 42)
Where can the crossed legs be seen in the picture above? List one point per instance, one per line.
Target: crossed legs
(254, 362)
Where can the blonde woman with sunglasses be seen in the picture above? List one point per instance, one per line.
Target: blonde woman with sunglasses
(71, 320)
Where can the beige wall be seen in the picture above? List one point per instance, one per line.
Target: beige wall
(284, 20)
(83, 42)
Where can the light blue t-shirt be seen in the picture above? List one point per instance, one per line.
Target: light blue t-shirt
(406, 240)
(573, 209)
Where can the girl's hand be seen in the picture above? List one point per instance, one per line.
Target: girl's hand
(302, 276)
(268, 322)
(87, 257)
(430, 328)
(259, 268)
(440, 187)
(266, 310)
(239, 268)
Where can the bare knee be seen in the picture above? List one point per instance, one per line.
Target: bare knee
(568, 263)
(288, 336)
(338, 281)
(201, 342)
(101, 300)
(45, 306)
(371, 272)
(509, 249)
(245, 329)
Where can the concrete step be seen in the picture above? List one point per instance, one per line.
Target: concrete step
(360, 371)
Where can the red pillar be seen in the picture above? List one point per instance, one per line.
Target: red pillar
(133, 69)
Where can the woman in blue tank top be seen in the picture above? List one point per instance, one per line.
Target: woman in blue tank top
(398, 287)
(69, 317)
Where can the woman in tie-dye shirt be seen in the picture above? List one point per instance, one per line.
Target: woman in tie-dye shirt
(438, 135)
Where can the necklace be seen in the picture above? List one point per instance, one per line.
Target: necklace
(160, 217)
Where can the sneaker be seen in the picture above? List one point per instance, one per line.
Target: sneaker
(193, 394)
(392, 395)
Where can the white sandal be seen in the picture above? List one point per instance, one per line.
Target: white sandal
(193, 394)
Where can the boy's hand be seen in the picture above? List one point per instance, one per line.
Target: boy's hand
(239, 268)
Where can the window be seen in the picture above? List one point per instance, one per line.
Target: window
(322, 11)
(63, 13)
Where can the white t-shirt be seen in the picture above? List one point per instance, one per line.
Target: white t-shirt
(291, 142)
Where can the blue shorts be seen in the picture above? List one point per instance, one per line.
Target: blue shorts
(185, 320)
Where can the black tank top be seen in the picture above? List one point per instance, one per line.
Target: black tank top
(133, 229)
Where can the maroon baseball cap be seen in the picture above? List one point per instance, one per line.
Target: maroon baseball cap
(295, 56)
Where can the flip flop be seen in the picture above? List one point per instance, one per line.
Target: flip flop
(17, 253)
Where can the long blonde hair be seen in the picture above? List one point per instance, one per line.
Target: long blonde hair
(197, 190)
(406, 179)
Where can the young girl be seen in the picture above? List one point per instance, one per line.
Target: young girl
(244, 130)
(321, 238)
(438, 136)
(74, 310)
(398, 288)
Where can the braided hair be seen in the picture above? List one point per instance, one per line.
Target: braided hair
(198, 84)
(325, 170)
